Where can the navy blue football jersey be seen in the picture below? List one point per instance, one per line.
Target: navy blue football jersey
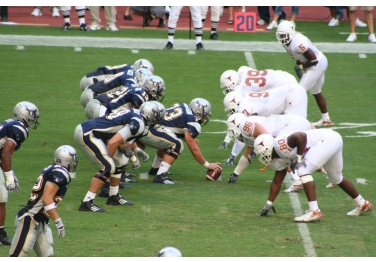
(15, 130)
(56, 174)
(113, 82)
(179, 117)
(112, 70)
(107, 126)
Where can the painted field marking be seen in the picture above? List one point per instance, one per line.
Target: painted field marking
(362, 56)
(361, 181)
(134, 51)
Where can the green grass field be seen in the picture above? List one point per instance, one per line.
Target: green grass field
(201, 218)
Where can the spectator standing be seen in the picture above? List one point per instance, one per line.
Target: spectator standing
(231, 13)
(80, 11)
(278, 12)
(127, 16)
(369, 19)
(195, 12)
(214, 19)
(337, 14)
(263, 12)
(4, 13)
(149, 13)
(110, 14)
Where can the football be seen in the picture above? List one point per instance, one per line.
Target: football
(211, 175)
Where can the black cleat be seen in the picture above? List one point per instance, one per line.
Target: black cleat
(214, 36)
(124, 186)
(163, 179)
(161, 22)
(4, 240)
(66, 26)
(147, 21)
(83, 27)
(126, 177)
(169, 46)
(117, 200)
(153, 171)
(200, 47)
(90, 206)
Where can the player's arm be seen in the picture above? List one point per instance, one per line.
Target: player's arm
(6, 155)
(298, 140)
(311, 57)
(196, 152)
(49, 193)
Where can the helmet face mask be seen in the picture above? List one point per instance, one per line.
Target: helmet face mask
(155, 87)
(228, 81)
(150, 112)
(231, 102)
(27, 113)
(233, 125)
(143, 63)
(263, 146)
(162, 113)
(66, 156)
(285, 32)
(201, 109)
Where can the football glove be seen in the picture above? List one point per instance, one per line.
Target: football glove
(295, 165)
(128, 152)
(230, 160)
(142, 155)
(232, 178)
(135, 164)
(60, 228)
(299, 71)
(224, 145)
(251, 156)
(265, 211)
(11, 183)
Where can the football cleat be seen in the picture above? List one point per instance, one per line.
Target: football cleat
(169, 46)
(322, 122)
(331, 185)
(309, 216)
(4, 240)
(200, 47)
(83, 27)
(90, 206)
(295, 187)
(367, 206)
(105, 192)
(116, 200)
(153, 171)
(66, 26)
(124, 186)
(214, 36)
(163, 179)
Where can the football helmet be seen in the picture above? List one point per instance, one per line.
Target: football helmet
(141, 73)
(201, 109)
(150, 113)
(66, 156)
(231, 102)
(162, 112)
(263, 146)
(155, 87)
(169, 252)
(143, 63)
(228, 81)
(28, 113)
(285, 32)
(233, 125)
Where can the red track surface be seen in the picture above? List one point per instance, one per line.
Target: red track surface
(22, 15)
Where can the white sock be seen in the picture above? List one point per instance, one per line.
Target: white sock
(170, 39)
(359, 200)
(313, 205)
(163, 168)
(157, 162)
(198, 39)
(89, 196)
(113, 190)
(325, 116)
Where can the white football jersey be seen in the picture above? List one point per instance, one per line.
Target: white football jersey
(252, 80)
(281, 100)
(298, 45)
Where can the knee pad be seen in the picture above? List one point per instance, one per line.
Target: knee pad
(102, 176)
(306, 179)
(172, 153)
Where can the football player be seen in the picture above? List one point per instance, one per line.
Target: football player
(13, 132)
(104, 141)
(309, 60)
(311, 149)
(32, 221)
(185, 121)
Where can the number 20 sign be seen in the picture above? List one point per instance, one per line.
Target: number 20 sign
(245, 22)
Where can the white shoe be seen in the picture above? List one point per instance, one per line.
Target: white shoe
(323, 122)
(359, 23)
(95, 27)
(55, 12)
(112, 28)
(36, 12)
(351, 38)
(272, 25)
(331, 185)
(295, 187)
(309, 216)
(260, 22)
(367, 206)
(333, 22)
(372, 38)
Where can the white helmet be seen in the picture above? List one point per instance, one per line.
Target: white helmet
(150, 113)
(231, 102)
(263, 146)
(285, 32)
(233, 125)
(228, 81)
(28, 113)
(66, 156)
(143, 63)
(155, 87)
(201, 108)
(141, 73)
(169, 252)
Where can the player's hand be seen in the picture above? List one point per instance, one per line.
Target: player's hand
(17, 187)
(224, 145)
(143, 155)
(136, 164)
(251, 156)
(265, 211)
(299, 71)
(232, 179)
(128, 152)
(60, 228)
(230, 160)
(10, 182)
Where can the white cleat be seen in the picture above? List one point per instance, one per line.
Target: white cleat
(367, 206)
(310, 215)
(323, 122)
(295, 187)
(331, 185)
